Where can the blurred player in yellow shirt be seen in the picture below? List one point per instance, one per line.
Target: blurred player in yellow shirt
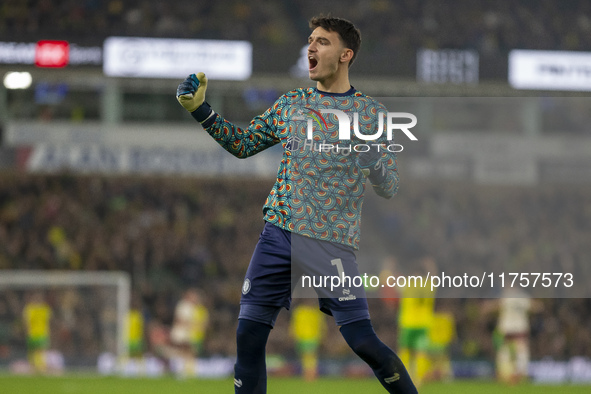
(441, 335)
(135, 324)
(308, 328)
(37, 317)
(200, 323)
(415, 317)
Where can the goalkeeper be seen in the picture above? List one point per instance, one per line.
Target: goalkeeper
(312, 214)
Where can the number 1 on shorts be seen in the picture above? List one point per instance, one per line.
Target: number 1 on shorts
(339, 264)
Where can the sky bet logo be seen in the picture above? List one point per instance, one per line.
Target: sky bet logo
(317, 117)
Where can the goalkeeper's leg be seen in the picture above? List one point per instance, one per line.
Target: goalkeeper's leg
(265, 291)
(250, 370)
(254, 325)
(386, 365)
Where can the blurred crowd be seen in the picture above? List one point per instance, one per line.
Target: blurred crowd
(168, 234)
(534, 229)
(487, 26)
(91, 21)
(482, 24)
(175, 233)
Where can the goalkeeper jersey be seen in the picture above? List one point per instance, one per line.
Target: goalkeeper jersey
(319, 188)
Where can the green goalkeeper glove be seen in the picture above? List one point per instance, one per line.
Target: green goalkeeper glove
(191, 92)
(191, 95)
(371, 165)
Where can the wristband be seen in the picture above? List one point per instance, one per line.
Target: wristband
(202, 113)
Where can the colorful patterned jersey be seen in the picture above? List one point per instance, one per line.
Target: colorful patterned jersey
(319, 188)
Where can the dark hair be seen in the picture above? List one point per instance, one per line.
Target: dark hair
(350, 35)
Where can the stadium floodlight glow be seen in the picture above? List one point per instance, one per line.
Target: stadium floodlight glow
(17, 80)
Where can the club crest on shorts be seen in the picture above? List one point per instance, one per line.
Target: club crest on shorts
(246, 286)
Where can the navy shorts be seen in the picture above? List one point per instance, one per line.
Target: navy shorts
(281, 258)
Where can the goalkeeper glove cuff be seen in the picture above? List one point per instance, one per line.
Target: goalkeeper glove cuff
(204, 114)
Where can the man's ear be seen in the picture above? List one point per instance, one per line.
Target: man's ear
(346, 55)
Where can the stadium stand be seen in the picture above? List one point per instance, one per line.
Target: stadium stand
(393, 29)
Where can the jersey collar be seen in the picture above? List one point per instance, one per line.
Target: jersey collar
(349, 92)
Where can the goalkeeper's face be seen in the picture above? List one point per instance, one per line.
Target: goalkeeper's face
(326, 54)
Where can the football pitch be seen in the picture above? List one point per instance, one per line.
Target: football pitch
(72, 384)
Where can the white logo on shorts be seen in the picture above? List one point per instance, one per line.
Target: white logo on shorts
(246, 286)
(347, 296)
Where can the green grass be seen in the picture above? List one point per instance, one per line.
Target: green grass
(72, 384)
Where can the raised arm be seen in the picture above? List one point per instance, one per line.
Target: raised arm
(260, 135)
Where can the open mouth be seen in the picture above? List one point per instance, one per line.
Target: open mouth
(312, 63)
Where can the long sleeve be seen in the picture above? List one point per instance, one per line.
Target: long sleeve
(260, 134)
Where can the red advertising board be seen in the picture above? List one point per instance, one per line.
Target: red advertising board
(49, 53)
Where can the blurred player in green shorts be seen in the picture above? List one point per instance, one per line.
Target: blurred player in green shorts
(308, 328)
(37, 317)
(416, 315)
(135, 322)
(200, 324)
(417, 305)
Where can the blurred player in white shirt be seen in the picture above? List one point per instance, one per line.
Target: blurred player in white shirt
(188, 330)
(513, 329)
